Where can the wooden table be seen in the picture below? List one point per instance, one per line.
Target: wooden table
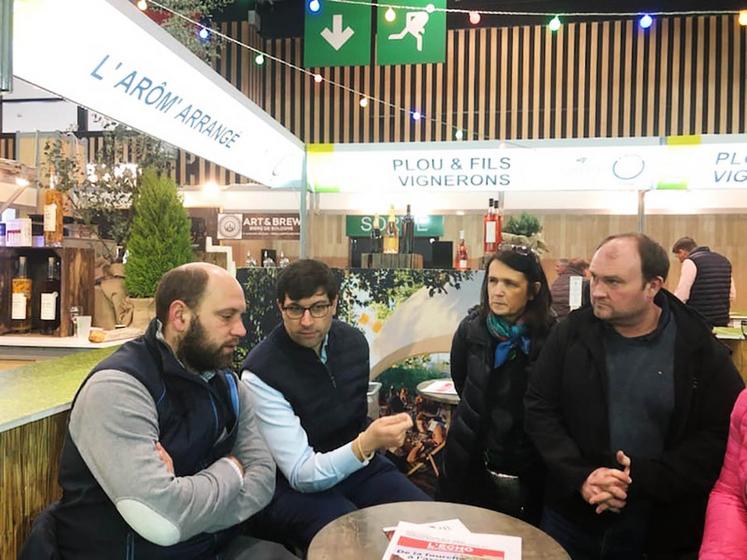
(359, 534)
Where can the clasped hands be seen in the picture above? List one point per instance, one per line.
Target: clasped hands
(607, 489)
(383, 433)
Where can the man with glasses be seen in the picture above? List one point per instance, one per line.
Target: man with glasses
(308, 381)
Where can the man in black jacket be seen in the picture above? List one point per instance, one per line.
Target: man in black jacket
(629, 406)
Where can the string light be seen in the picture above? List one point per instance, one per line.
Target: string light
(142, 4)
(318, 78)
(203, 33)
(314, 6)
(390, 15)
(474, 18)
(743, 17)
(645, 21)
(259, 59)
(363, 102)
(458, 135)
(554, 24)
(430, 8)
(416, 116)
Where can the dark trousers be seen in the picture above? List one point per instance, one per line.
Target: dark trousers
(623, 540)
(294, 517)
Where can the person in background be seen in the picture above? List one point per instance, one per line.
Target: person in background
(706, 282)
(490, 461)
(162, 457)
(560, 289)
(725, 535)
(308, 381)
(629, 404)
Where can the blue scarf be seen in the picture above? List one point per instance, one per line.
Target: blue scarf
(509, 337)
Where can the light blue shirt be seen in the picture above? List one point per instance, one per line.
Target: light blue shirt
(305, 469)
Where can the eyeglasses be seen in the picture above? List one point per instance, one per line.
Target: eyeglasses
(518, 249)
(318, 310)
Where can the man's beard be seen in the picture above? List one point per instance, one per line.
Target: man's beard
(198, 355)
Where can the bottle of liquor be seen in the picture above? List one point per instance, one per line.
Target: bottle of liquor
(267, 262)
(283, 261)
(391, 234)
(250, 261)
(498, 213)
(50, 299)
(377, 242)
(488, 228)
(53, 217)
(20, 287)
(462, 260)
(407, 238)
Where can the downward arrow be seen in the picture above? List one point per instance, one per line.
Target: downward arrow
(337, 37)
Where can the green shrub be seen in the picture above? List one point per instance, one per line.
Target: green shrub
(159, 237)
(526, 225)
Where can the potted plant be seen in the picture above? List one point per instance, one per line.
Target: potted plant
(159, 241)
(525, 229)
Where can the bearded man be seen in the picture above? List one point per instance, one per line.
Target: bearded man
(162, 457)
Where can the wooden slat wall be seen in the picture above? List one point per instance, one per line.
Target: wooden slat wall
(685, 75)
(28, 477)
(8, 146)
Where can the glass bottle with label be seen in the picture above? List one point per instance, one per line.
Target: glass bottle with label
(488, 228)
(50, 299)
(407, 237)
(20, 287)
(498, 223)
(391, 234)
(53, 218)
(377, 241)
(268, 262)
(250, 260)
(283, 261)
(462, 260)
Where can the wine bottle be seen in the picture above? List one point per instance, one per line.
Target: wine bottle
(50, 299)
(391, 234)
(498, 213)
(53, 218)
(250, 261)
(377, 242)
(268, 262)
(407, 236)
(283, 261)
(20, 287)
(462, 260)
(488, 228)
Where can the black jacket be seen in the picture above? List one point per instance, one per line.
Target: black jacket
(472, 355)
(567, 417)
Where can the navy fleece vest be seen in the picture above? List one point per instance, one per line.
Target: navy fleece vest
(709, 294)
(329, 399)
(192, 413)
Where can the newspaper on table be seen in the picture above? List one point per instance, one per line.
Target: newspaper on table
(447, 540)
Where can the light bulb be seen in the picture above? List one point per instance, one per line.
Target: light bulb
(416, 115)
(645, 21)
(458, 135)
(363, 102)
(314, 6)
(390, 15)
(430, 8)
(142, 4)
(318, 78)
(743, 17)
(554, 24)
(474, 18)
(259, 59)
(204, 33)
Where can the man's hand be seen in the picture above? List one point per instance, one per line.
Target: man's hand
(608, 488)
(385, 432)
(165, 457)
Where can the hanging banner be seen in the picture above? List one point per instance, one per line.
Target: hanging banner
(425, 226)
(259, 226)
(491, 167)
(109, 57)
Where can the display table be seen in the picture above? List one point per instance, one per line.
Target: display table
(734, 339)
(41, 347)
(359, 534)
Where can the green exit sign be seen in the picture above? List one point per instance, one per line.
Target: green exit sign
(425, 226)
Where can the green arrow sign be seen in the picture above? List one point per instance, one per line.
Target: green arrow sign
(425, 226)
(413, 36)
(337, 35)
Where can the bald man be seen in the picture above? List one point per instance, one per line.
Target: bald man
(162, 457)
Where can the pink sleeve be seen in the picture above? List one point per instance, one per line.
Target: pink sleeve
(687, 277)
